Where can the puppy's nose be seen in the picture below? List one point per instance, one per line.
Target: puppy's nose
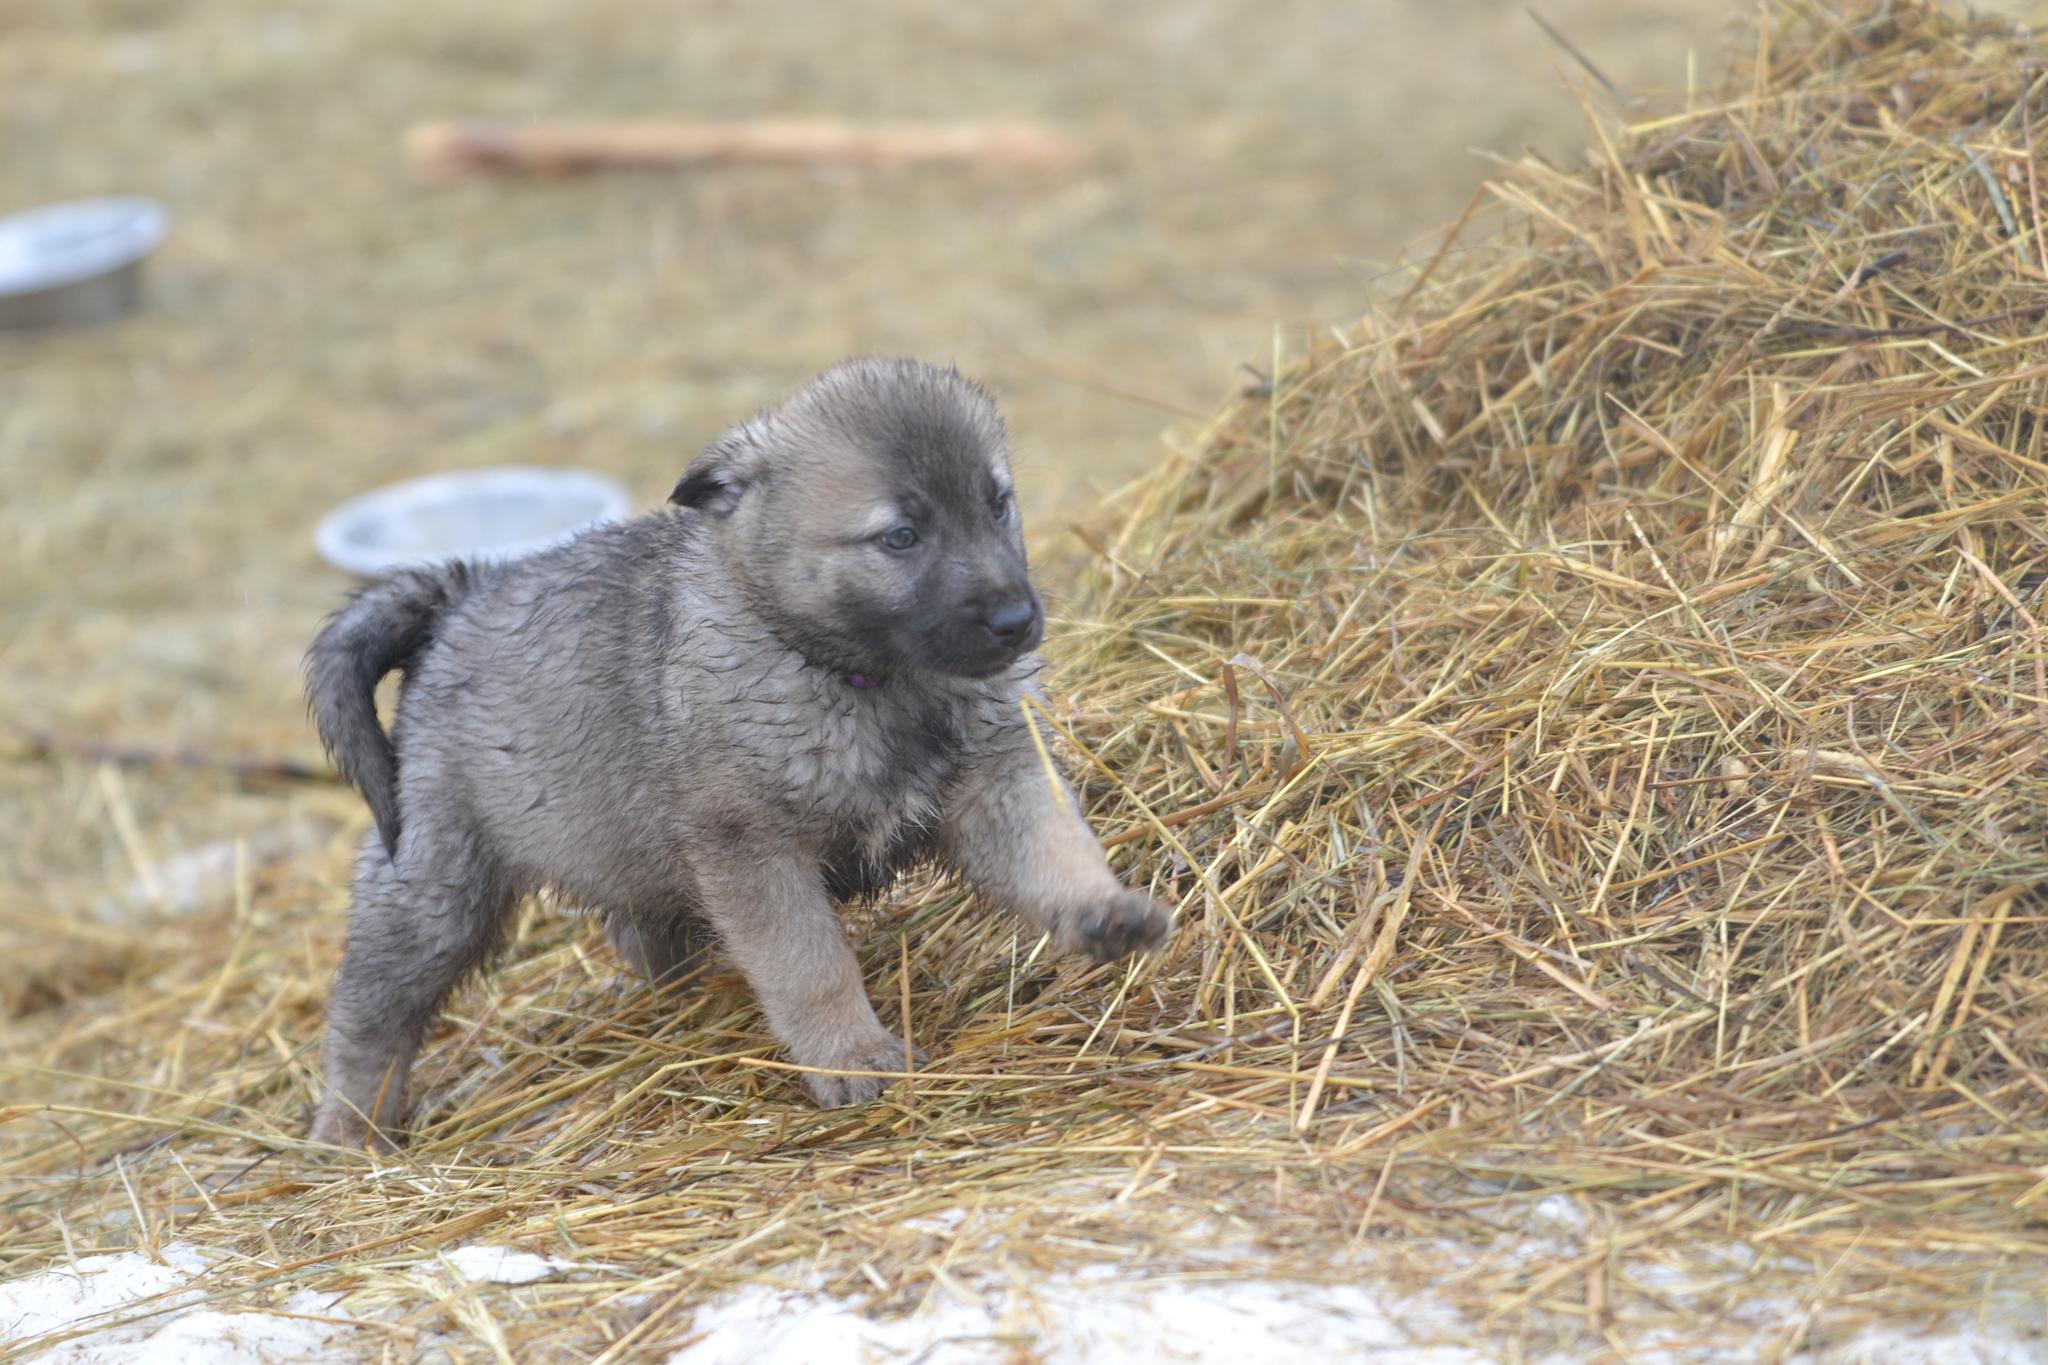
(1012, 621)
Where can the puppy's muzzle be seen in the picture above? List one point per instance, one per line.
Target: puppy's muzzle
(1014, 624)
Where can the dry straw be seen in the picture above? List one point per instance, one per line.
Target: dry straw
(1590, 716)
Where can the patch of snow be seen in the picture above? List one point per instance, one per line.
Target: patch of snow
(57, 1298)
(68, 1298)
(1090, 1315)
(1997, 1344)
(1558, 1215)
(1070, 1320)
(216, 1338)
(503, 1265)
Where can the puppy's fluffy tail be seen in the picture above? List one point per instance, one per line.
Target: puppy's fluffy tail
(384, 627)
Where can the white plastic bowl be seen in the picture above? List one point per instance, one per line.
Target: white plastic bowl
(77, 263)
(478, 514)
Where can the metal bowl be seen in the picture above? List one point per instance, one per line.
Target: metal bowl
(476, 514)
(76, 264)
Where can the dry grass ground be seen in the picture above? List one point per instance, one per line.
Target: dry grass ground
(1508, 876)
(322, 326)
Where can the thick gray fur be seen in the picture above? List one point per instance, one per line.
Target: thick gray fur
(666, 719)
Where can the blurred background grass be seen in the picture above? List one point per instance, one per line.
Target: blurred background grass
(319, 324)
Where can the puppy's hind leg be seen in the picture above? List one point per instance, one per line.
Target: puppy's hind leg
(418, 926)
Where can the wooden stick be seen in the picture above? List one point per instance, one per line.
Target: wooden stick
(439, 151)
(40, 746)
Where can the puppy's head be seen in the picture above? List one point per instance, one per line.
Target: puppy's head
(871, 521)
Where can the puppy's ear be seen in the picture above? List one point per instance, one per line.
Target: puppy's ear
(708, 488)
(717, 479)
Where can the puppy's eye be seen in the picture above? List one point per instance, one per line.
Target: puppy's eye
(1003, 503)
(902, 538)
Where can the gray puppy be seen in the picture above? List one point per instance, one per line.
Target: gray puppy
(715, 720)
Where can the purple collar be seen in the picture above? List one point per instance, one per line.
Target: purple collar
(859, 683)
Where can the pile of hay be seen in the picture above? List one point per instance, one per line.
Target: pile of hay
(1590, 715)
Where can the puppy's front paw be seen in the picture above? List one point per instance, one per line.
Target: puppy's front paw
(338, 1124)
(880, 1051)
(1128, 922)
